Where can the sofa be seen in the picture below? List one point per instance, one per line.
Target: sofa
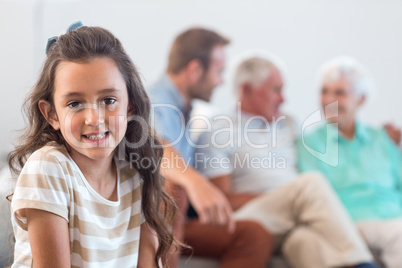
(6, 238)
(198, 262)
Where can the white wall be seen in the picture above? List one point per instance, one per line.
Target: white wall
(303, 33)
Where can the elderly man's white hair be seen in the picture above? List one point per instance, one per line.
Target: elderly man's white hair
(350, 69)
(254, 67)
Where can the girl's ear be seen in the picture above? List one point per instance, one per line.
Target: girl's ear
(130, 111)
(49, 113)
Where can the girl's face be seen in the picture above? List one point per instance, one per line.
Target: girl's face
(91, 106)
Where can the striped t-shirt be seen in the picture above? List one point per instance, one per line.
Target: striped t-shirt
(103, 233)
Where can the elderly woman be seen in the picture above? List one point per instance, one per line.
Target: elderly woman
(362, 163)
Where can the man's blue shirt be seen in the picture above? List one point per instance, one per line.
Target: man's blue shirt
(170, 116)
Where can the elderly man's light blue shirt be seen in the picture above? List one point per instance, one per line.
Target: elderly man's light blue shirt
(365, 171)
(170, 116)
(258, 155)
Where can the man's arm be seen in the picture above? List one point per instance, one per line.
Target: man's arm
(208, 201)
(236, 200)
(394, 133)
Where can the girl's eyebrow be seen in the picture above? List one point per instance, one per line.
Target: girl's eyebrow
(78, 94)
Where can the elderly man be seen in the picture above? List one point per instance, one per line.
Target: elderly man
(361, 163)
(195, 66)
(251, 156)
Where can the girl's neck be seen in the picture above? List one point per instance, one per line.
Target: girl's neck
(101, 174)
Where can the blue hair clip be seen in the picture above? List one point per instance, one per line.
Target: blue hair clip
(75, 26)
(50, 42)
(53, 39)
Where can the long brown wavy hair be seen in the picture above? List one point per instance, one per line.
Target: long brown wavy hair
(82, 45)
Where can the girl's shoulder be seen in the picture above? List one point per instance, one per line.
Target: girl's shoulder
(127, 171)
(51, 151)
(51, 158)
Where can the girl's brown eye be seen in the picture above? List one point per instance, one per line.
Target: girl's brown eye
(109, 101)
(74, 104)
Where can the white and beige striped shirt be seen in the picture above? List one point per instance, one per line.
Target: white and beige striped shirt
(103, 233)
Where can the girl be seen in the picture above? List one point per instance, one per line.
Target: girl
(79, 201)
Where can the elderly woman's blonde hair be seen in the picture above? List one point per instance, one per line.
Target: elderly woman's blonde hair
(345, 67)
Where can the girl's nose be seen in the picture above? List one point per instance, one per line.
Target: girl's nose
(94, 116)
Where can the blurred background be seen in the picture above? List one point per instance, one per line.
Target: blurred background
(303, 34)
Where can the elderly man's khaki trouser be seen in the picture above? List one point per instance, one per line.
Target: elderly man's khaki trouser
(317, 230)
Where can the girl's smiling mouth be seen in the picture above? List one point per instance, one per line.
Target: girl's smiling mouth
(96, 137)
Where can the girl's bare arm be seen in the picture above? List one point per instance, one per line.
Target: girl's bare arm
(49, 239)
(148, 246)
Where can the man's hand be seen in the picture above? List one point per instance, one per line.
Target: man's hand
(393, 132)
(209, 202)
(236, 200)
